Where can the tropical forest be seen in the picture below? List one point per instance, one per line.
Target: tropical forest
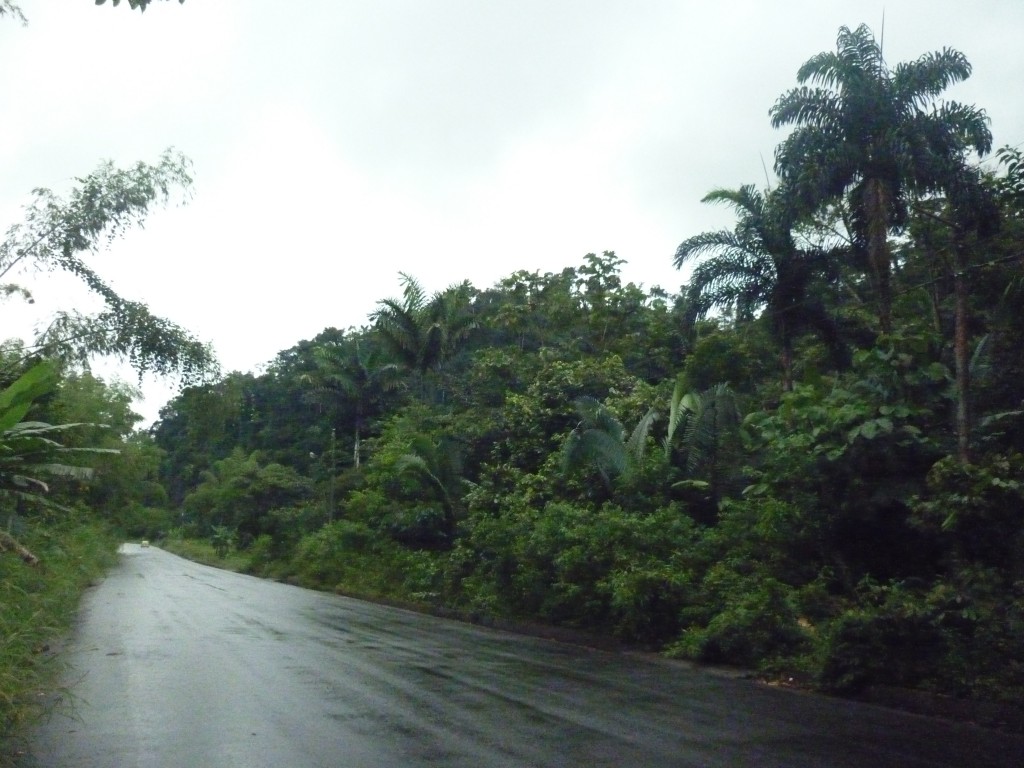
(806, 462)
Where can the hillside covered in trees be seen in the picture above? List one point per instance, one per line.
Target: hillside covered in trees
(808, 460)
(805, 461)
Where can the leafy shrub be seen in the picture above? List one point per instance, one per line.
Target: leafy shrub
(605, 569)
(321, 556)
(263, 556)
(976, 509)
(973, 512)
(141, 522)
(757, 627)
(646, 598)
(895, 642)
(421, 526)
(223, 539)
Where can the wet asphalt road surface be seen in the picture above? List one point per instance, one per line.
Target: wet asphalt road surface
(176, 664)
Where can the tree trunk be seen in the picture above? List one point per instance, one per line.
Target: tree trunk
(961, 353)
(787, 366)
(876, 214)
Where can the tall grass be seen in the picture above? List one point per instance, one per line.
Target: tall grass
(37, 606)
(202, 551)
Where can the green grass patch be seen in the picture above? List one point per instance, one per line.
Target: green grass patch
(37, 606)
(202, 551)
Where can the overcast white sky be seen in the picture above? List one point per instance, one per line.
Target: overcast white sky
(336, 143)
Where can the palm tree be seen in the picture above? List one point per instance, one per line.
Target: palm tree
(399, 323)
(425, 334)
(352, 371)
(598, 441)
(758, 265)
(439, 464)
(973, 215)
(702, 426)
(874, 135)
(706, 421)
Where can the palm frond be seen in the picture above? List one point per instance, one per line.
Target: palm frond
(595, 415)
(636, 445)
(24, 481)
(918, 82)
(714, 415)
(806, 106)
(38, 428)
(676, 414)
(595, 448)
(746, 199)
(18, 397)
(413, 292)
(597, 441)
(413, 461)
(823, 68)
(34, 498)
(66, 471)
(713, 242)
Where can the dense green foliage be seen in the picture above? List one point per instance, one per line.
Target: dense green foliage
(74, 478)
(788, 465)
(809, 460)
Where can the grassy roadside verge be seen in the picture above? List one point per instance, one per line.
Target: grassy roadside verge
(201, 551)
(37, 606)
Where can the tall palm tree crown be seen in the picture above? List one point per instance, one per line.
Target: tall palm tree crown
(423, 333)
(876, 136)
(354, 372)
(759, 264)
(744, 266)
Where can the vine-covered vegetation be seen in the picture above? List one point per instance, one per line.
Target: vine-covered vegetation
(807, 461)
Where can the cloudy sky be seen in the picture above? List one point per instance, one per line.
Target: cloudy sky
(337, 143)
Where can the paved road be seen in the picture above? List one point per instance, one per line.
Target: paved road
(177, 664)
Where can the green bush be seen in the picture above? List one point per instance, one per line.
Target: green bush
(892, 645)
(263, 556)
(222, 539)
(605, 570)
(326, 557)
(975, 510)
(758, 625)
(350, 557)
